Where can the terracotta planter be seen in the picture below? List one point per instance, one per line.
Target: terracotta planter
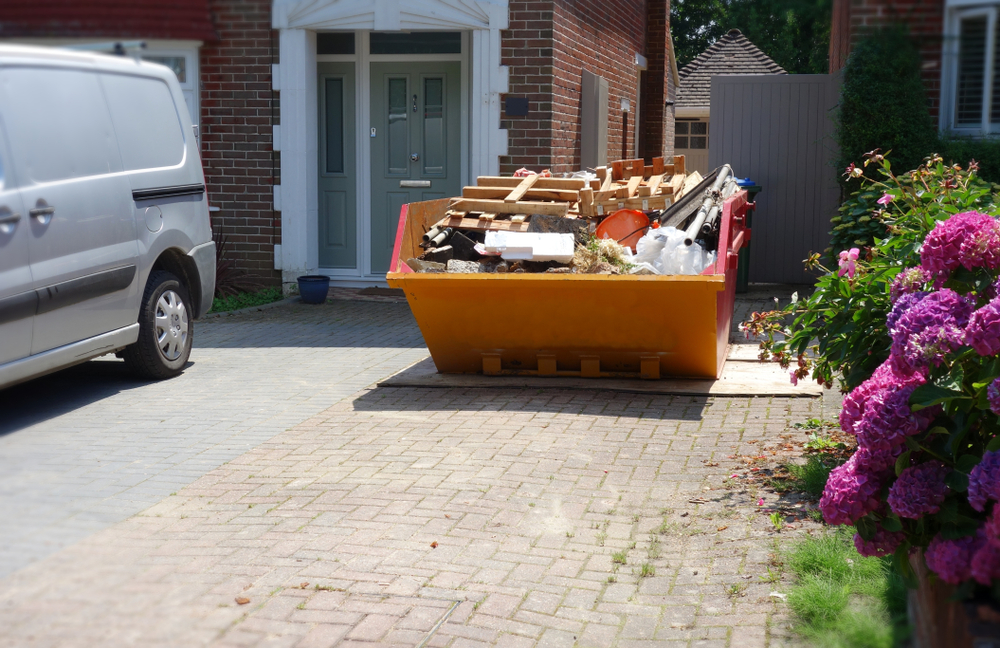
(940, 623)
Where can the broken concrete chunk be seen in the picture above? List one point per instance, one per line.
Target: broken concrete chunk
(578, 227)
(418, 265)
(439, 255)
(465, 267)
(559, 270)
(493, 264)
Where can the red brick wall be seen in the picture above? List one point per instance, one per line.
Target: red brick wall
(546, 49)
(238, 108)
(925, 18)
(526, 48)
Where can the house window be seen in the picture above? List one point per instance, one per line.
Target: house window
(184, 63)
(691, 134)
(971, 88)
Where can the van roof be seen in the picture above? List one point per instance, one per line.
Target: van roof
(35, 54)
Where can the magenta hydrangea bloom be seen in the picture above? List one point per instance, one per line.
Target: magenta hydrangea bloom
(850, 493)
(984, 481)
(986, 563)
(883, 543)
(886, 378)
(951, 560)
(983, 332)
(993, 396)
(903, 304)
(969, 239)
(992, 526)
(919, 490)
(887, 419)
(908, 281)
(937, 319)
(877, 460)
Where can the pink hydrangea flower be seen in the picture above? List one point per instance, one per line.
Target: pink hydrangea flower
(848, 262)
(908, 281)
(885, 199)
(928, 329)
(951, 560)
(919, 490)
(986, 563)
(793, 376)
(984, 481)
(850, 493)
(992, 526)
(885, 378)
(983, 333)
(883, 543)
(993, 396)
(969, 239)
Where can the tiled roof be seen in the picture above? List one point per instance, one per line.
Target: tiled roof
(731, 54)
(153, 19)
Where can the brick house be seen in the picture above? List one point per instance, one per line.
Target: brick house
(958, 46)
(382, 102)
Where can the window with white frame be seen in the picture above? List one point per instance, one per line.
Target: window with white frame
(184, 62)
(970, 101)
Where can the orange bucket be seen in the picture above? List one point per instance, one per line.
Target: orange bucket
(626, 226)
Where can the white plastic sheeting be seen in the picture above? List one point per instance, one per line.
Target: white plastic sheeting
(662, 251)
(531, 246)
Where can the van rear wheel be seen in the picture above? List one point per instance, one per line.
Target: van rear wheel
(166, 329)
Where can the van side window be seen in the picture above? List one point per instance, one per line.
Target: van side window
(146, 121)
(57, 124)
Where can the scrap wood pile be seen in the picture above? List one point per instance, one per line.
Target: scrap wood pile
(537, 223)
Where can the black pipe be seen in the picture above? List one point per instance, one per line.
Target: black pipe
(694, 229)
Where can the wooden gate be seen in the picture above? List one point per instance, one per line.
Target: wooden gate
(778, 131)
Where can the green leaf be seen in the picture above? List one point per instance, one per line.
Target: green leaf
(903, 462)
(966, 463)
(928, 395)
(901, 562)
(911, 443)
(937, 429)
(994, 444)
(866, 527)
(957, 481)
(892, 523)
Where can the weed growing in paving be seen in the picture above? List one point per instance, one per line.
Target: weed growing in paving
(777, 520)
(246, 300)
(601, 537)
(619, 557)
(647, 570)
(843, 599)
(736, 590)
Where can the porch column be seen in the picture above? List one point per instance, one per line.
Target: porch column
(299, 153)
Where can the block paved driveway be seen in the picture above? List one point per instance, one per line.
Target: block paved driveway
(351, 516)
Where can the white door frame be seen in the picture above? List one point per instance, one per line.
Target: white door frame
(362, 103)
(483, 80)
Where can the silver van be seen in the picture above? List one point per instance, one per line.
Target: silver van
(105, 239)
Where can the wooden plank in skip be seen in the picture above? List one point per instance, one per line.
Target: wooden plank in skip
(457, 221)
(501, 207)
(679, 167)
(633, 184)
(676, 183)
(617, 170)
(587, 201)
(652, 186)
(540, 183)
(657, 166)
(521, 189)
(638, 167)
(641, 203)
(499, 193)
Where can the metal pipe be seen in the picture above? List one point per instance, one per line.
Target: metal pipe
(439, 240)
(711, 222)
(694, 229)
(431, 233)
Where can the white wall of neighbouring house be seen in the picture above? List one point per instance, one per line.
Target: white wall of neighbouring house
(297, 22)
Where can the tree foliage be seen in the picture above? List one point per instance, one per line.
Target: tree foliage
(795, 33)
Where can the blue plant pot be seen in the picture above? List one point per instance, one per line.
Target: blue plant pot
(313, 288)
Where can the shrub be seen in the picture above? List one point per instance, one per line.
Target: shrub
(840, 330)
(883, 101)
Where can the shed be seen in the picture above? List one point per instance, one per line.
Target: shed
(733, 54)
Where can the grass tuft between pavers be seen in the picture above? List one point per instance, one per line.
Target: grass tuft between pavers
(841, 599)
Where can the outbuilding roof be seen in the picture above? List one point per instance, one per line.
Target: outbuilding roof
(731, 54)
(153, 19)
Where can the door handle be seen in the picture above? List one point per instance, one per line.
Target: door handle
(38, 212)
(8, 221)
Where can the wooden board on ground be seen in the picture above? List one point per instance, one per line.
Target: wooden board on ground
(739, 378)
